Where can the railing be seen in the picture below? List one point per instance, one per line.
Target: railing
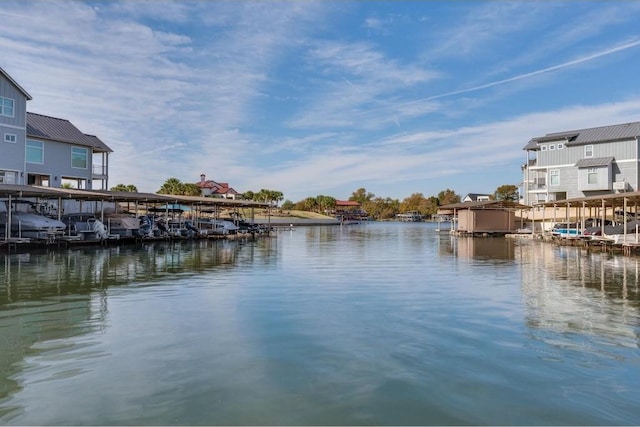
(537, 186)
(100, 170)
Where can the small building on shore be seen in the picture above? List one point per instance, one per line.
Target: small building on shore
(485, 217)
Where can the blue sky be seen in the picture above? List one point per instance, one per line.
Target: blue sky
(325, 97)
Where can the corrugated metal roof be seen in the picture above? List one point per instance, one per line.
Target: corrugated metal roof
(598, 161)
(54, 129)
(98, 145)
(590, 136)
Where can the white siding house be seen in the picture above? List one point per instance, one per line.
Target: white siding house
(581, 163)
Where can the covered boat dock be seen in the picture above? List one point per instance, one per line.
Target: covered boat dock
(52, 202)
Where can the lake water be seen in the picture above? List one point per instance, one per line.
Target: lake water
(380, 323)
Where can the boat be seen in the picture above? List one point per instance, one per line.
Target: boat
(84, 226)
(123, 225)
(411, 216)
(618, 234)
(566, 229)
(31, 226)
(211, 226)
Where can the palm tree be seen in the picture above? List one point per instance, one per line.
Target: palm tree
(172, 186)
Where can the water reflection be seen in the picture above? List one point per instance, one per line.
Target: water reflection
(48, 297)
(33, 276)
(568, 290)
(369, 324)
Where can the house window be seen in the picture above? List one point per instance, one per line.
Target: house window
(552, 147)
(79, 158)
(8, 177)
(588, 150)
(6, 107)
(543, 148)
(554, 177)
(560, 146)
(592, 176)
(35, 152)
(10, 137)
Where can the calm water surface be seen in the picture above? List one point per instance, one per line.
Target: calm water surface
(382, 323)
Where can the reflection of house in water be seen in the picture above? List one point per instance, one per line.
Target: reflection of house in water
(567, 290)
(486, 248)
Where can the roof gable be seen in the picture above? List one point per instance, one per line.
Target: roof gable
(13, 82)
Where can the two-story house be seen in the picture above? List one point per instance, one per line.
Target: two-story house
(43, 150)
(13, 129)
(580, 163)
(210, 188)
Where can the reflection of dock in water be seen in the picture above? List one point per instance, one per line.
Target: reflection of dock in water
(567, 290)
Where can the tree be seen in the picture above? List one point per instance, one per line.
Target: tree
(507, 192)
(287, 205)
(325, 203)
(190, 189)
(249, 195)
(308, 204)
(269, 196)
(361, 196)
(380, 208)
(448, 197)
(171, 186)
(177, 187)
(416, 202)
(126, 188)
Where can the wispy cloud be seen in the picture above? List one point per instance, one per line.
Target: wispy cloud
(320, 97)
(512, 79)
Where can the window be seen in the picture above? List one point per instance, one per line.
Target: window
(79, 158)
(560, 146)
(35, 152)
(552, 147)
(554, 177)
(592, 176)
(6, 107)
(8, 177)
(588, 150)
(543, 148)
(10, 137)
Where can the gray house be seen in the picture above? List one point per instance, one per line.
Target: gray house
(13, 129)
(43, 150)
(580, 163)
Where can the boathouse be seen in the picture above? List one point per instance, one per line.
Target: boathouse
(493, 217)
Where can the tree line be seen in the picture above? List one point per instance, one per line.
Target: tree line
(376, 207)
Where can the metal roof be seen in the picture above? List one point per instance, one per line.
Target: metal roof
(594, 162)
(54, 129)
(119, 196)
(484, 204)
(615, 199)
(596, 135)
(98, 145)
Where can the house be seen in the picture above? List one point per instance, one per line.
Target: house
(210, 188)
(13, 129)
(44, 150)
(581, 163)
(475, 197)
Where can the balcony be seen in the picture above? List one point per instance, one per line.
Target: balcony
(100, 172)
(537, 185)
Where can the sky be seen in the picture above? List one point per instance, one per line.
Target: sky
(323, 98)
